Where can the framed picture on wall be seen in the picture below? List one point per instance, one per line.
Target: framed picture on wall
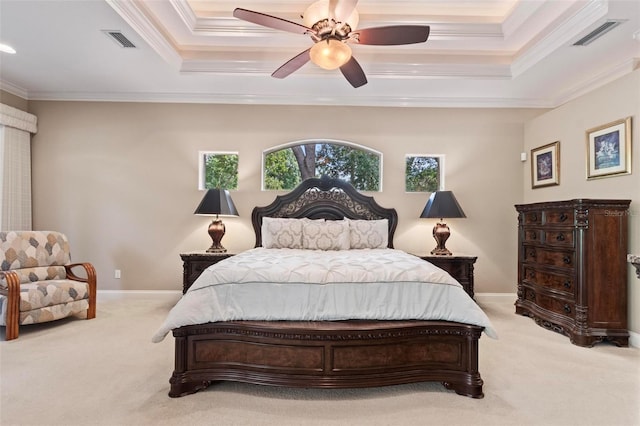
(545, 165)
(609, 149)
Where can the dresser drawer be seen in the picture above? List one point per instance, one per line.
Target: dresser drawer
(549, 257)
(532, 235)
(532, 218)
(550, 280)
(552, 304)
(564, 217)
(561, 238)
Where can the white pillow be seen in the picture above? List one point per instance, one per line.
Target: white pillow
(325, 235)
(281, 233)
(368, 233)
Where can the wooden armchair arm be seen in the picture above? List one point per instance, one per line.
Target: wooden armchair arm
(91, 281)
(11, 282)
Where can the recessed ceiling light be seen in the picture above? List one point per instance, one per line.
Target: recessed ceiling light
(7, 49)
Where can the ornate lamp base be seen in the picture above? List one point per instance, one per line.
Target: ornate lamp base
(441, 234)
(216, 232)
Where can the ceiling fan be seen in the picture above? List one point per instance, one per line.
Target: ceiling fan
(331, 24)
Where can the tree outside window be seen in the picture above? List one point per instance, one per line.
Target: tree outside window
(424, 173)
(218, 170)
(285, 168)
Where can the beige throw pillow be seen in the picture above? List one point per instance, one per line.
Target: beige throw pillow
(369, 233)
(281, 233)
(325, 235)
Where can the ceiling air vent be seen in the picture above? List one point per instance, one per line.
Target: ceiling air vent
(598, 32)
(120, 38)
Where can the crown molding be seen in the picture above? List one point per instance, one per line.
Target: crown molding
(561, 35)
(136, 18)
(614, 72)
(303, 99)
(13, 89)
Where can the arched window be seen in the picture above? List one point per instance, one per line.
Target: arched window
(285, 166)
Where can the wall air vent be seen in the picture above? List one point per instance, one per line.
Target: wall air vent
(119, 38)
(598, 32)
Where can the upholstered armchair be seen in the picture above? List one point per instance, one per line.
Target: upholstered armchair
(37, 280)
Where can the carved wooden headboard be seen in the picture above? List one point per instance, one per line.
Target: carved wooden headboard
(324, 198)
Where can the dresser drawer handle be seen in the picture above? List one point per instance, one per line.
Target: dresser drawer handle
(563, 217)
(532, 274)
(532, 254)
(560, 237)
(567, 284)
(533, 236)
(567, 308)
(567, 260)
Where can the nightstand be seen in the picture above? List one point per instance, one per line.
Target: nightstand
(195, 263)
(459, 267)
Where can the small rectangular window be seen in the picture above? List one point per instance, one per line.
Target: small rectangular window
(424, 173)
(218, 170)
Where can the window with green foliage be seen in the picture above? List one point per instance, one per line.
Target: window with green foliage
(424, 173)
(285, 167)
(218, 170)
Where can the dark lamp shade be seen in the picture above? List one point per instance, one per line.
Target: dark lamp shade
(442, 204)
(217, 202)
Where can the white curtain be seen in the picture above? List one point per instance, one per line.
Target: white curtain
(15, 168)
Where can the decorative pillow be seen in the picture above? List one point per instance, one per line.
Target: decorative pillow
(282, 233)
(368, 233)
(325, 235)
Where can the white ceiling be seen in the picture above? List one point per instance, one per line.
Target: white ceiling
(480, 53)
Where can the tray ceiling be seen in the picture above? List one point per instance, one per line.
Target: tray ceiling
(480, 53)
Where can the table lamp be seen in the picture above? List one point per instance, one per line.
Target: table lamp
(216, 202)
(442, 204)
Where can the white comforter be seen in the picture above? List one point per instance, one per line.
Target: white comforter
(313, 285)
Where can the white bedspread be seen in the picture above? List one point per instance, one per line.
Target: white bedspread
(314, 285)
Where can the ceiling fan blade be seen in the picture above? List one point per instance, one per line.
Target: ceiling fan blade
(292, 65)
(352, 71)
(270, 21)
(340, 10)
(393, 35)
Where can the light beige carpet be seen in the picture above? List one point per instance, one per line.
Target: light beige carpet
(107, 372)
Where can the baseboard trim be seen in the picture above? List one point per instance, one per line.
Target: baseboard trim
(634, 339)
(495, 297)
(119, 294)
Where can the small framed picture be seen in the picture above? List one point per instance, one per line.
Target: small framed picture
(545, 165)
(609, 149)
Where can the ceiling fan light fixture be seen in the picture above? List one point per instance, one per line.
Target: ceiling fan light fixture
(330, 54)
(319, 11)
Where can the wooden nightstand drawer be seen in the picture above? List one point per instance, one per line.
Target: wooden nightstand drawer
(195, 263)
(459, 267)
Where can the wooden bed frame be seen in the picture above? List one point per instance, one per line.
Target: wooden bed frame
(327, 354)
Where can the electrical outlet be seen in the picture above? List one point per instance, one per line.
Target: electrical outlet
(117, 274)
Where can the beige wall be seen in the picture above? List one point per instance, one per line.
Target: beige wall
(121, 178)
(568, 124)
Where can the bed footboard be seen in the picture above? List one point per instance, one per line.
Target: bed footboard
(330, 354)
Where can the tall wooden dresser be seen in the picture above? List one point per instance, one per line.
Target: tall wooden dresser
(572, 275)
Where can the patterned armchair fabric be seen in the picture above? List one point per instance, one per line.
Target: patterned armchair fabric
(37, 282)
